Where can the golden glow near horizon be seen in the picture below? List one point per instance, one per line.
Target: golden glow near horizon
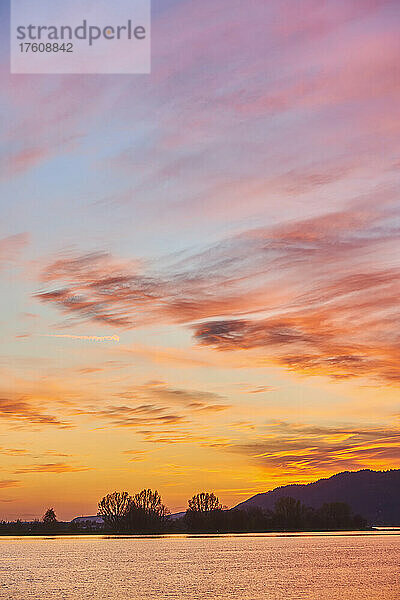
(200, 269)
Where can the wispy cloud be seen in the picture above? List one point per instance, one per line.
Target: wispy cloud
(155, 405)
(13, 451)
(183, 436)
(298, 449)
(135, 455)
(22, 160)
(57, 468)
(11, 247)
(7, 483)
(162, 392)
(88, 338)
(317, 296)
(24, 412)
(125, 415)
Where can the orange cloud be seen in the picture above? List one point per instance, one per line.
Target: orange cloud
(51, 468)
(169, 356)
(300, 449)
(13, 451)
(7, 483)
(135, 455)
(25, 412)
(159, 391)
(157, 405)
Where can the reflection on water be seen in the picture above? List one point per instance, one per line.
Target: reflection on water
(243, 567)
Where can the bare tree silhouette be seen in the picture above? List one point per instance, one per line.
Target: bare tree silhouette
(113, 508)
(204, 503)
(204, 512)
(147, 512)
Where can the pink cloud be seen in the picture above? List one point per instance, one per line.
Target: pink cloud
(23, 160)
(317, 296)
(11, 246)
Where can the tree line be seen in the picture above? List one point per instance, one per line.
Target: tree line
(145, 513)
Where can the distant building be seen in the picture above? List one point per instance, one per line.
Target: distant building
(176, 516)
(93, 522)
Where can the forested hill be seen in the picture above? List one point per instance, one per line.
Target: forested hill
(373, 494)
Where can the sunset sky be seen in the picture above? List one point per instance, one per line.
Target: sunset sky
(200, 268)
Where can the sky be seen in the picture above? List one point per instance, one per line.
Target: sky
(200, 268)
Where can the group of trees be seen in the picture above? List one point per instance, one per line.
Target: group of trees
(204, 513)
(142, 513)
(48, 524)
(288, 515)
(145, 512)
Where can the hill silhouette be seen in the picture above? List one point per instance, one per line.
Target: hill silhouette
(373, 494)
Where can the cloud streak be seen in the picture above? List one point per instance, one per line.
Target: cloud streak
(156, 405)
(89, 338)
(7, 483)
(57, 468)
(317, 296)
(24, 412)
(11, 247)
(299, 449)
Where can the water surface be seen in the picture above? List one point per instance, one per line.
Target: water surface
(239, 567)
